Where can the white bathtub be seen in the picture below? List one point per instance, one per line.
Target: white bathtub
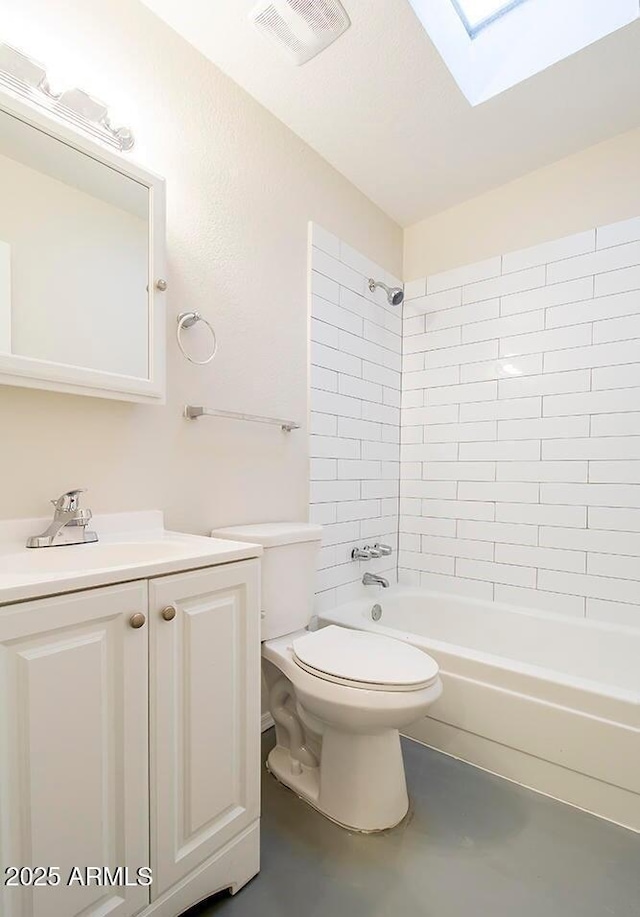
(548, 701)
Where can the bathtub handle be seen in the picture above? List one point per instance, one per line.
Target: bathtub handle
(384, 549)
(373, 552)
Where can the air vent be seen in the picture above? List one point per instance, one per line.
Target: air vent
(301, 28)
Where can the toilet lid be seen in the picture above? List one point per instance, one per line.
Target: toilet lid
(361, 659)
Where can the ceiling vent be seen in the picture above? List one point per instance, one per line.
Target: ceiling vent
(301, 28)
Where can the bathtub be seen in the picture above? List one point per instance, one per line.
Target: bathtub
(548, 701)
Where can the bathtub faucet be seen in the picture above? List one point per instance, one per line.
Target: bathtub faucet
(372, 579)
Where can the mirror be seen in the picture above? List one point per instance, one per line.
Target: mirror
(76, 254)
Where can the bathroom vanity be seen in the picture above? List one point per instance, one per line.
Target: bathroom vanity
(129, 729)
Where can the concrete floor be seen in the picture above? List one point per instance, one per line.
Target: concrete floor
(473, 844)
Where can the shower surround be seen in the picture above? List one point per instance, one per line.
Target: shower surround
(520, 461)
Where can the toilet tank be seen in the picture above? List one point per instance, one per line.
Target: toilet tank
(288, 571)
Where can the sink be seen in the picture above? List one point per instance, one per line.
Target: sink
(96, 556)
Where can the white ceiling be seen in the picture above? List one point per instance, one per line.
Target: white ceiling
(381, 106)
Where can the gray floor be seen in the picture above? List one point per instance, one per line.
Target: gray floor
(473, 845)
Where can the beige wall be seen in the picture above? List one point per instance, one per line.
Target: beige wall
(241, 188)
(600, 185)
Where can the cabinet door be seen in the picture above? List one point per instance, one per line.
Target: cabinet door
(73, 749)
(205, 714)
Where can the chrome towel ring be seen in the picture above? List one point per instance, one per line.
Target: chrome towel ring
(188, 320)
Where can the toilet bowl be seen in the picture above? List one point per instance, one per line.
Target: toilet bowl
(338, 697)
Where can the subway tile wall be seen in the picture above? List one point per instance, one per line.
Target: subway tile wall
(520, 471)
(356, 347)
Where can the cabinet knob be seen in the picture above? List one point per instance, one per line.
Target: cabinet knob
(137, 620)
(161, 285)
(169, 612)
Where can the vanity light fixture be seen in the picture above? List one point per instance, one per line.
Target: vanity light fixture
(27, 78)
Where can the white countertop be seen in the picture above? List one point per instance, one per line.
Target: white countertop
(131, 546)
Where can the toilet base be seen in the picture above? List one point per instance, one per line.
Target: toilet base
(359, 783)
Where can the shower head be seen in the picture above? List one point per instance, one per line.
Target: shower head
(395, 296)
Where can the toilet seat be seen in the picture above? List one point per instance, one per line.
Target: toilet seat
(359, 659)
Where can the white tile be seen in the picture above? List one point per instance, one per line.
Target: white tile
(430, 563)
(572, 472)
(459, 471)
(508, 409)
(388, 377)
(501, 491)
(412, 434)
(544, 428)
(496, 573)
(384, 413)
(578, 244)
(457, 547)
(470, 273)
(504, 286)
(460, 432)
(360, 388)
(390, 433)
(614, 472)
(597, 587)
(623, 495)
(384, 452)
(409, 507)
(349, 428)
(367, 350)
(498, 532)
(325, 240)
(419, 525)
(618, 281)
(613, 612)
(414, 325)
(457, 394)
(413, 398)
(341, 405)
(323, 470)
(432, 340)
(614, 520)
(594, 540)
(337, 271)
(357, 510)
(546, 297)
(503, 327)
(323, 424)
(334, 491)
(623, 376)
(382, 336)
(429, 452)
(456, 585)
(523, 450)
(627, 424)
(332, 314)
(428, 490)
(591, 310)
(541, 514)
(438, 414)
(415, 288)
(542, 558)
(545, 341)
(609, 259)
(547, 384)
(466, 353)
(603, 402)
(618, 233)
(340, 533)
(508, 368)
(391, 397)
(435, 302)
(321, 333)
(324, 287)
(594, 448)
(463, 315)
(359, 262)
(458, 509)
(329, 358)
(357, 470)
(431, 378)
(325, 379)
(407, 542)
(617, 329)
(372, 490)
(540, 601)
(332, 447)
(412, 362)
(323, 513)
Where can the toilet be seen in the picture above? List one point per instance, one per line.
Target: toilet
(338, 697)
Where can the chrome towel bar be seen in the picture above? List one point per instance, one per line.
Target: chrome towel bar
(192, 412)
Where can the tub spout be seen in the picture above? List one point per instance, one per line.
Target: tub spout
(372, 579)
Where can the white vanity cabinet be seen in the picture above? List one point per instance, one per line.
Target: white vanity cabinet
(129, 737)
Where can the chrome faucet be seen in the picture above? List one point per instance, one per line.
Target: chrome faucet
(372, 579)
(68, 526)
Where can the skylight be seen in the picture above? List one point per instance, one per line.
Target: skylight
(478, 14)
(492, 45)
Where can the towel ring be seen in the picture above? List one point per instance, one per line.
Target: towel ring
(188, 320)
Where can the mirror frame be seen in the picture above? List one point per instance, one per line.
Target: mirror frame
(59, 377)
